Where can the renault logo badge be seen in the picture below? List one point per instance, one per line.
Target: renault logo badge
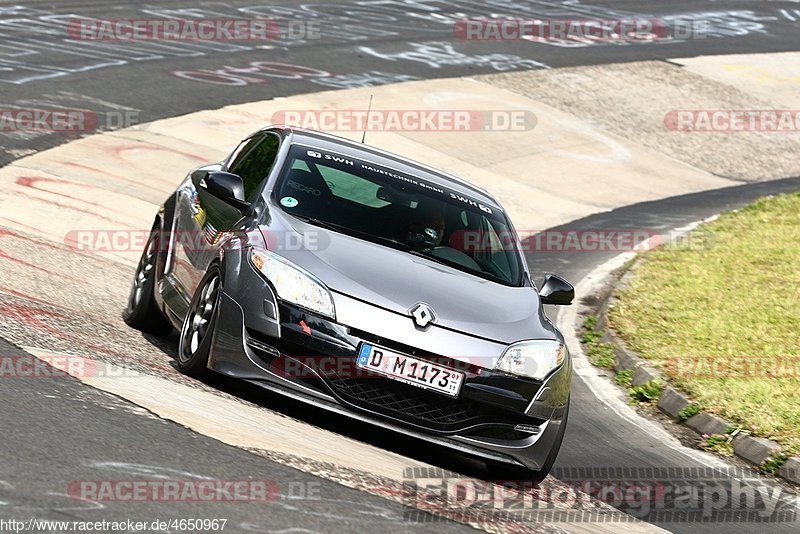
(422, 314)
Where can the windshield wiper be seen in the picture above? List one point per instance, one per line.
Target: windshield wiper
(419, 253)
(352, 231)
(319, 222)
(460, 267)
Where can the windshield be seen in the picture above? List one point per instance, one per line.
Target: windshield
(398, 210)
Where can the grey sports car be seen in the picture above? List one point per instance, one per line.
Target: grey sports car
(366, 284)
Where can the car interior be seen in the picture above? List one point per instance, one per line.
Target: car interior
(336, 196)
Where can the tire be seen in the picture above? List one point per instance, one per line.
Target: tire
(198, 326)
(141, 311)
(508, 472)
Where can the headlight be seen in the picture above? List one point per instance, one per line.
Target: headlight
(532, 359)
(294, 284)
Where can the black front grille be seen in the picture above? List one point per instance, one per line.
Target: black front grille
(405, 400)
(412, 404)
(421, 407)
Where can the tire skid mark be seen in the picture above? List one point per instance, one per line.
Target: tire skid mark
(32, 317)
(118, 150)
(26, 226)
(20, 294)
(66, 206)
(105, 172)
(33, 181)
(9, 257)
(4, 232)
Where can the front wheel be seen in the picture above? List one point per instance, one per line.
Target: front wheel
(197, 331)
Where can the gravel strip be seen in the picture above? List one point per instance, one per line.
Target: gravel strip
(632, 100)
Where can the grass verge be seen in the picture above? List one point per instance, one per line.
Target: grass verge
(723, 320)
(600, 353)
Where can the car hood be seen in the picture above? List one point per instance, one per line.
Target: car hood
(396, 281)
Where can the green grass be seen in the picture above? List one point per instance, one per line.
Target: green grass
(773, 464)
(600, 353)
(648, 392)
(718, 443)
(590, 334)
(623, 377)
(689, 411)
(705, 313)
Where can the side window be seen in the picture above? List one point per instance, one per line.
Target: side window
(497, 249)
(253, 161)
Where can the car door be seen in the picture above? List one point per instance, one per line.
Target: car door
(202, 217)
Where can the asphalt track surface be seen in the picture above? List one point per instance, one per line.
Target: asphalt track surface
(48, 441)
(67, 432)
(359, 43)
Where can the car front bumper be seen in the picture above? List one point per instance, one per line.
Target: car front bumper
(301, 355)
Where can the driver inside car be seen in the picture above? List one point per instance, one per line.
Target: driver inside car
(426, 230)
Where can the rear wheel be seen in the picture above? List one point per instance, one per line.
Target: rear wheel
(509, 472)
(141, 312)
(198, 326)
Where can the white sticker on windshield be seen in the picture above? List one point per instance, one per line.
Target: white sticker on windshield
(289, 202)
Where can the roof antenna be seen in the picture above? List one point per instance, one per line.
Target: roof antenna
(369, 108)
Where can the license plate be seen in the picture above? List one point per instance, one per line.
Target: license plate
(410, 370)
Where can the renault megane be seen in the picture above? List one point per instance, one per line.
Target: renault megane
(364, 283)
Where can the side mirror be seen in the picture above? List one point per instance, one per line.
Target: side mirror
(227, 187)
(556, 290)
